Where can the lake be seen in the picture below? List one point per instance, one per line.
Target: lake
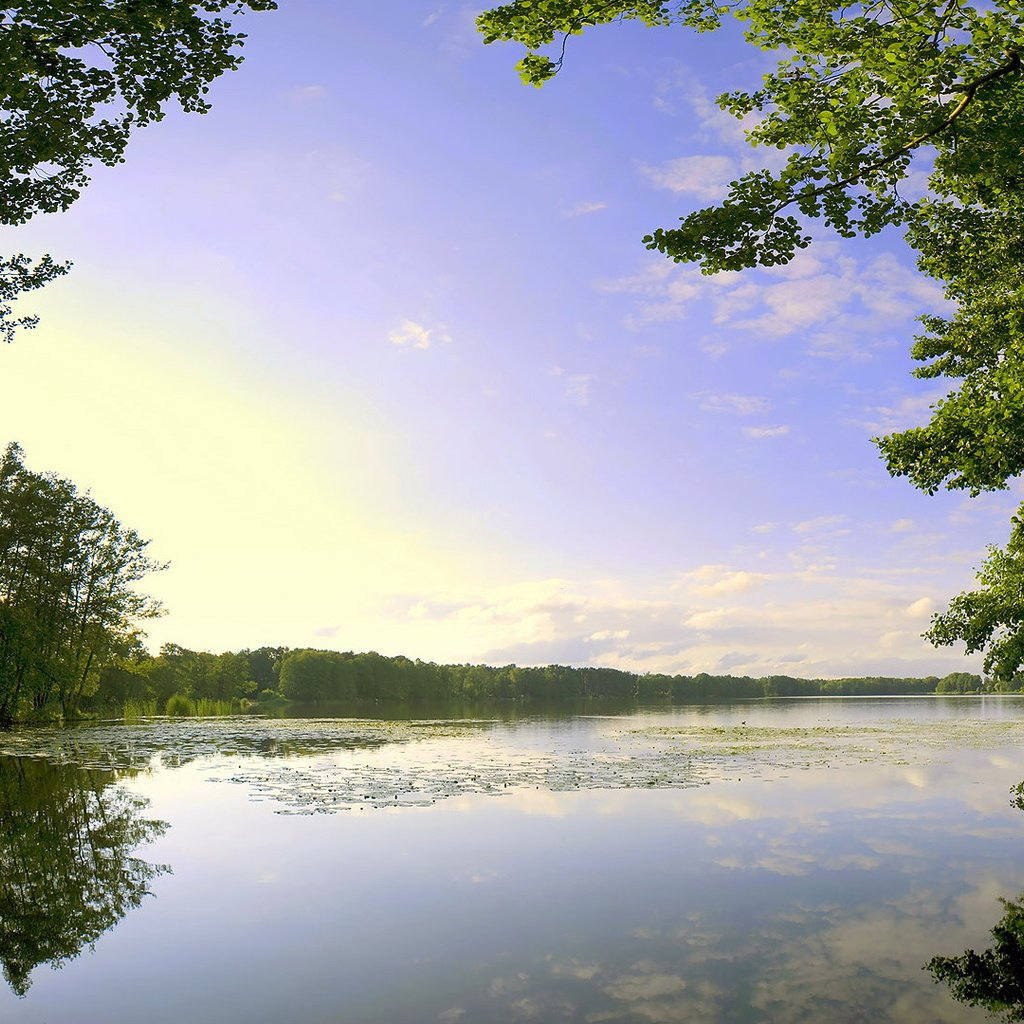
(777, 860)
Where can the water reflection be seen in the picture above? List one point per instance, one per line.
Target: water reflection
(766, 863)
(994, 978)
(69, 871)
(323, 765)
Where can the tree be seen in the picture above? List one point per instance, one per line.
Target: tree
(858, 95)
(78, 76)
(313, 676)
(68, 603)
(993, 978)
(264, 666)
(991, 618)
(959, 682)
(68, 847)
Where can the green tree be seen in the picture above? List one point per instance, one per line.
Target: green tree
(959, 682)
(993, 978)
(314, 676)
(859, 93)
(991, 618)
(68, 603)
(264, 666)
(76, 78)
(70, 871)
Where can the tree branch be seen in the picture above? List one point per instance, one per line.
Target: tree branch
(969, 92)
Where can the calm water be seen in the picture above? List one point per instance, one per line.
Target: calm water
(782, 861)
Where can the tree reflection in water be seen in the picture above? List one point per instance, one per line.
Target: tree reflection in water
(67, 866)
(993, 978)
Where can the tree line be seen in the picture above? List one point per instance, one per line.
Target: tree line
(179, 680)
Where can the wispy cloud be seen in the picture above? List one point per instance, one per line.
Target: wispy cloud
(832, 300)
(682, 92)
(706, 177)
(578, 387)
(740, 405)
(921, 608)
(583, 208)
(609, 634)
(899, 414)
(818, 523)
(308, 93)
(411, 334)
(759, 432)
(666, 291)
(713, 618)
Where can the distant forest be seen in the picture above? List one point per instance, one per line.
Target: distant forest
(180, 681)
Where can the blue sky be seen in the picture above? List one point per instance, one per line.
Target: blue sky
(375, 355)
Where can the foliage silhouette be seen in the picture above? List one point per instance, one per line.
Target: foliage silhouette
(76, 79)
(68, 603)
(993, 978)
(70, 872)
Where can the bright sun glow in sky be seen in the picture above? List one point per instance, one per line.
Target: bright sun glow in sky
(375, 355)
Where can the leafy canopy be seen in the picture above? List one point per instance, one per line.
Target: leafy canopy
(68, 598)
(76, 78)
(858, 94)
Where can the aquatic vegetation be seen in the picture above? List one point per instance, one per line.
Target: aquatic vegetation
(137, 710)
(325, 765)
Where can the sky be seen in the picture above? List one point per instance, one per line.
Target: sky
(374, 354)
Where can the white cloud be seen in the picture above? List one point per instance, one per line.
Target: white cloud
(609, 634)
(653, 279)
(710, 619)
(923, 606)
(818, 523)
(905, 411)
(411, 334)
(758, 432)
(582, 209)
(706, 177)
(809, 619)
(682, 92)
(741, 405)
(577, 388)
(830, 299)
(735, 583)
(308, 93)
(793, 305)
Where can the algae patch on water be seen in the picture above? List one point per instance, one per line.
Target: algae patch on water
(311, 766)
(898, 741)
